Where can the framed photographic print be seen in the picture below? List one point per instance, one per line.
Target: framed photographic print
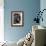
(17, 18)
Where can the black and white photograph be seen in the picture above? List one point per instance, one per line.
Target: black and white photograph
(17, 18)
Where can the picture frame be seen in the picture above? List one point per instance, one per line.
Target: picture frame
(17, 18)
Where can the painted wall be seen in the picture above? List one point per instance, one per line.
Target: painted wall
(43, 6)
(30, 7)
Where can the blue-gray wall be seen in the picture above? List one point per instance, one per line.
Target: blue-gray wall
(30, 7)
(43, 6)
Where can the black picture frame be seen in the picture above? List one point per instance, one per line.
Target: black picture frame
(17, 18)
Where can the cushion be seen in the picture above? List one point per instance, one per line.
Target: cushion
(20, 42)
